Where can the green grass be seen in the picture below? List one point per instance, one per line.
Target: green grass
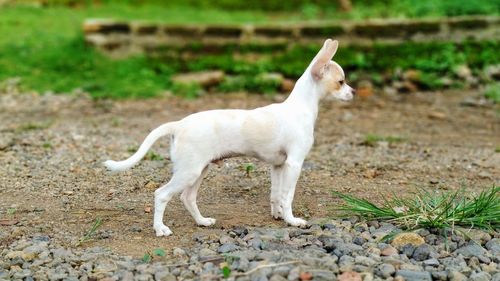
(45, 48)
(33, 126)
(325, 9)
(420, 9)
(47, 145)
(492, 92)
(149, 256)
(88, 235)
(372, 139)
(249, 168)
(151, 155)
(426, 209)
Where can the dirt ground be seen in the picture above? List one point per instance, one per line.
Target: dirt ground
(52, 180)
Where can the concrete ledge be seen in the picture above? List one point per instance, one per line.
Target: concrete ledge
(125, 38)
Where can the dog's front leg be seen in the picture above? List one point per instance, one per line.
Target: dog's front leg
(276, 204)
(289, 177)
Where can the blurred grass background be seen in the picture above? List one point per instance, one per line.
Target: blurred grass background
(42, 43)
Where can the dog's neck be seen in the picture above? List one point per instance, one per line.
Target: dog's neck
(305, 95)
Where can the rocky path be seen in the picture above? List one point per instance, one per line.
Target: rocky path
(53, 188)
(335, 250)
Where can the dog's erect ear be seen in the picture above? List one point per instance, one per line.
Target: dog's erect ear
(320, 62)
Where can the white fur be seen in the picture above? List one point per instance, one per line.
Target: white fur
(280, 134)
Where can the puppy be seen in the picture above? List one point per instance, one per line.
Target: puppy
(280, 134)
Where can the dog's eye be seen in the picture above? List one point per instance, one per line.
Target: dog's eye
(341, 82)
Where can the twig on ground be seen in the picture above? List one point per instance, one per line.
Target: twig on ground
(264, 266)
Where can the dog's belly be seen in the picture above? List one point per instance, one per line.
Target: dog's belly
(275, 158)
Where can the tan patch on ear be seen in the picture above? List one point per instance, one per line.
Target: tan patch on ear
(323, 58)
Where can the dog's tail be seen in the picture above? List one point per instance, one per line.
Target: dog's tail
(163, 130)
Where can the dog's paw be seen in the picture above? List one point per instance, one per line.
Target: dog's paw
(297, 222)
(276, 211)
(162, 230)
(206, 222)
(276, 215)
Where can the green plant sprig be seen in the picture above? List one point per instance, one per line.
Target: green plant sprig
(90, 232)
(430, 210)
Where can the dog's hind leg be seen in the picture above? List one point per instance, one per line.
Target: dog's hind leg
(181, 180)
(276, 208)
(188, 197)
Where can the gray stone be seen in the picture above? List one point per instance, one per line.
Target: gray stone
(323, 275)
(143, 277)
(346, 263)
(282, 270)
(53, 275)
(225, 239)
(61, 253)
(440, 275)
(480, 276)
(455, 264)
(203, 78)
(471, 250)
(422, 252)
(358, 240)
(384, 230)
(484, 259)
(342, 248)
(36, 249)
(494, 246)
(186, 274)
(431, 262)
(414, 275)
(258, 276)
(243, 264)
(22, 274)
(474, 263)
(408, 250)
(136, 228)
(385, 270)
(479, 236)
(329, 226)
(240, 230)
(126, 275)
(176, 271)
(105, 266)
(164, 276)
(178, 252)
(205, 252)
(364, 261)
(294, 274)
(40, 238)
(277, 277)
(271, 256)
(454, 275)
(255, 243)
(496, 277)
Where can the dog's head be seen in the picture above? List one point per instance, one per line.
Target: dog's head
(328, 74)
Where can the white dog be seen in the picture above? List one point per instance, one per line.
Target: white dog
(280, 134)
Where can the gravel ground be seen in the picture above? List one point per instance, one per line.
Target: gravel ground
(53, 187)
(333, 250)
